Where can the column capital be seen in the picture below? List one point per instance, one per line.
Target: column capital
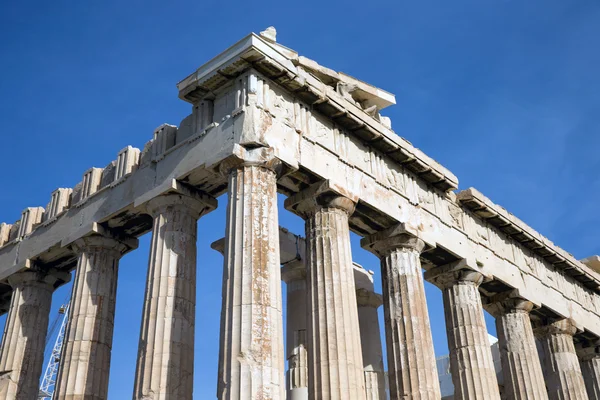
(119, 245)
(33, 277)
(251, 157)
(324, 194)
(588, 351)
(292, 271)
(195, 201)
(508, 302)
(448, 275)
(564, 326)
(219, 245)
(398, 237)
(367, 298)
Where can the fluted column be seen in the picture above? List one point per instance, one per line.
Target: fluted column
(589, 358)
(22, 352)
(523, 377)
(165, 365)
(471, 362)
(334, 347)
(368, 302)
(85, 366)
(294, 275)
(251, 360)
(412, 368)
(562, 371)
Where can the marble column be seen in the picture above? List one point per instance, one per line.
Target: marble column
(562, 371)
(294, 275)
(251, 360)
(412, 368)
(22, 352)
(85, 366)
(165, 365)
(589, 358)
(521, 367)
(368, 302)
(471, 362)
(334, 346)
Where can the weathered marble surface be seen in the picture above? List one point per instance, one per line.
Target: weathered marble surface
(293, 274)
(319, 126)
(334, 346)
(562, 370)
(24, 338)
(251, 358)
(85, 360)
(590, 368)
(411, 357)
(372, 164)
(165, 365)
(523, 377)
(370, 333)
(471, 361)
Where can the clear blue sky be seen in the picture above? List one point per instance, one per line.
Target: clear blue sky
(503, 93)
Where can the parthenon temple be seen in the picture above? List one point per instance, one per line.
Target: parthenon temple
(266, 121)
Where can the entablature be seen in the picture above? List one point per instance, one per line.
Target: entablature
(506, 222)
(331, 101)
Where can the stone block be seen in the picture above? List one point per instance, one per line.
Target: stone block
(127, 162)
(203, 115)
(90, 183)
(14, 231)
(4, 233)
(108, 174)
(59, 202)
(30, 218)
(164, 138)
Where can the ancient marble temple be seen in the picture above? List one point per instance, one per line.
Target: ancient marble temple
(265, 120)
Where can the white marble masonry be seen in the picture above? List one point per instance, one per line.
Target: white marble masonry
(4, 233)
(562, 370)
(471, 361)
(90, 183)
(372, 353)
(165, 366)
(266, 120)
(411, 358)
(251, 360)
(589, 358)
(293, 274)
(84, 371)
(127, 161)
(60, 200)
(334, 346)
(22, 351)
(521, 367)
(30, 217)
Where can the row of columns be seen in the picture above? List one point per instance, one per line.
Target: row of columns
(251, 359)
(294, 275)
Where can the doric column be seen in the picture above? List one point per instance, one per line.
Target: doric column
(471, 360)
(334, 347)
(562, 371)
(294, 275)
(411, 359)
(521, 368)
(165, 365)
(251, 360)
(368, 302)
(22, 352)
(589, 358)
(85, 366)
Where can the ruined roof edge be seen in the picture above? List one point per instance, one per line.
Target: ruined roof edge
(499, 217)
(254, 48)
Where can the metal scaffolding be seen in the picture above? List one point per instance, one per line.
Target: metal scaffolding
(49, 380)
